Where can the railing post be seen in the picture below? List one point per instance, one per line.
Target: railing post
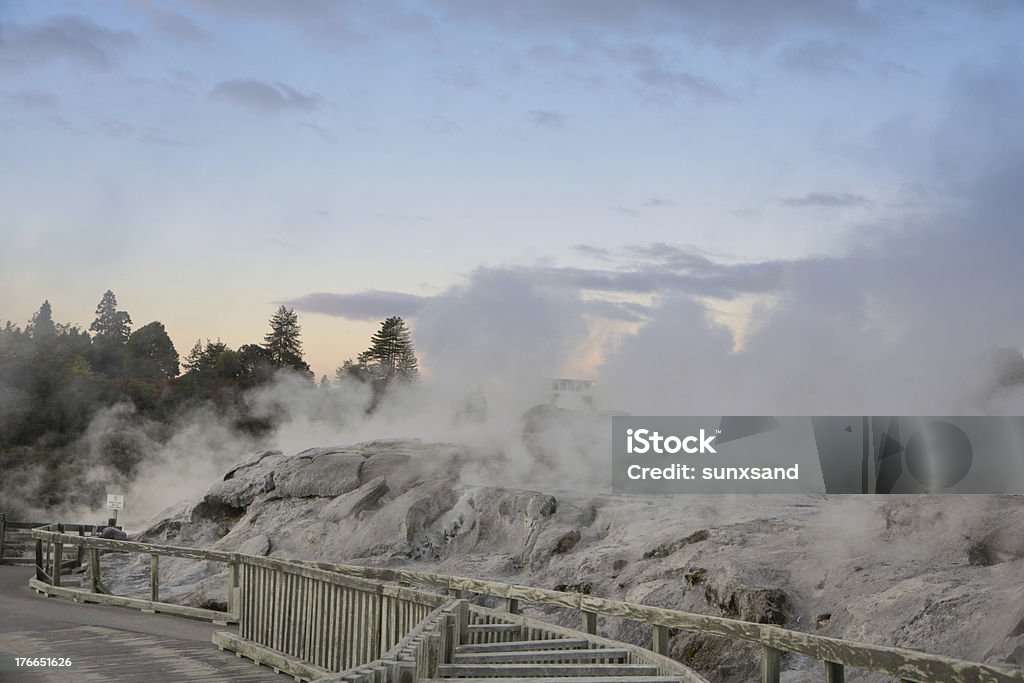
(40, 571)
(834, 673)
(3, 533)
(233, 584)
(58, 552)
(94, 569)
(154, 578)
(588, 622)
(462, 621)
(771, 664)
(659, 639)
(451, 634)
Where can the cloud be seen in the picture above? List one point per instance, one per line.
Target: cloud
(740, 23)
(459, 77)
(173, 24)
(261, 96)
(546, 118)
(828, 200)
(30, 99)
(116, 129)
(656, 202)
(368, 305)
(663, 269)
(625, 211)
(821, 58)
(68, 37)
(622, 311)
(672, 82)
(440, 125)
(322, 132)
(326, 21)
(591, 251)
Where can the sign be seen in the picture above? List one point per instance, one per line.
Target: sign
(115, 502)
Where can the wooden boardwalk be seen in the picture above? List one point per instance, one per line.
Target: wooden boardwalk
(109, 643)
(100, 653)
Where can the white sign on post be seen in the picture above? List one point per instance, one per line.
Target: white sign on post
(115, 502)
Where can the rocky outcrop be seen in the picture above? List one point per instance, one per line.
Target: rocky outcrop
(942, 574)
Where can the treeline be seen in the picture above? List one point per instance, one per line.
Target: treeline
(55, 378)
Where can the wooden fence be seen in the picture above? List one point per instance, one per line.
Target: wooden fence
(15, 540)
(52, 558)
(311, 619)
(911, 666)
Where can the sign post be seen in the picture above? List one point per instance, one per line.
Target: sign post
(115, 503)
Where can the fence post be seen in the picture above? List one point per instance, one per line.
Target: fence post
(462, 621)
(232, 584)
(659, 639)
(94, 569)
(450, 636)
(834, 672)
(3, 533)
(771, 664)
(40, 572)
(58, 552)
(588, 622)
(154, 578)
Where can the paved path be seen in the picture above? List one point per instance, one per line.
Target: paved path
(108, 643)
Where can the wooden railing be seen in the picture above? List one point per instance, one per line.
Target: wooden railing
(52, 558)
(325, 618)
(835, 654)
(14, 538)
(416, 655)
(311, 619)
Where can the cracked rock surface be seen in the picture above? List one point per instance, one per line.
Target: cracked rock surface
(943, 574)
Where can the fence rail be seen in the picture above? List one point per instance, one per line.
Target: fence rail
(52, 559)
(911, 666)
(16, 537)
(312, 619)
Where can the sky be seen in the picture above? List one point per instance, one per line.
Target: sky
(609, 185)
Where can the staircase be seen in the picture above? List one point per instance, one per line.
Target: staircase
(558, 660)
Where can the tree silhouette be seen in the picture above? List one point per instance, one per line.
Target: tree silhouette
(282, 344)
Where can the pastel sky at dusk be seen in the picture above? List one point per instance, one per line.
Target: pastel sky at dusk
(208, 161)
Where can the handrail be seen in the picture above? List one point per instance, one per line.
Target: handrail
(430, 642)
(51, 539)
(905, 664)
(835, 653)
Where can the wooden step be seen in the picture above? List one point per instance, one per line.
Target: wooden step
(543, 670)
(560, 679)
(552, 644)
(524, 656)
(493, 628)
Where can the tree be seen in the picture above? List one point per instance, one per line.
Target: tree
(391, 353)
(202, 359)
(391, 356)
(111, 323)
(282, 344)
(150, 353)
(42, 327)
(112, 328)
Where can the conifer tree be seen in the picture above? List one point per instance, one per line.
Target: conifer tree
(282, 344)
